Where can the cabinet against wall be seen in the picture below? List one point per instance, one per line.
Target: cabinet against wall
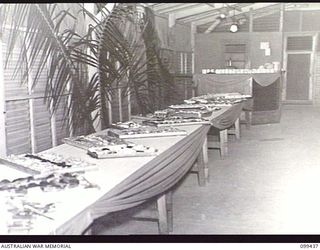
(235, 55)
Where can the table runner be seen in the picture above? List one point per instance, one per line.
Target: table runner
(228, 118)
(235, 80)
(222, 84)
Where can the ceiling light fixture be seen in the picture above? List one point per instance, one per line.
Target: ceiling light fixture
(223, 12)
(222, 16)
(234, 27)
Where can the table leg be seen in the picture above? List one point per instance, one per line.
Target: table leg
(205, 158)
(201, 168)
(223, 143)
(169, 205)
(88, 231)
(162, 215)
(237, 128)
(248, 117)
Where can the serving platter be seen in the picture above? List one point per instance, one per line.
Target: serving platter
(187, 106)
(146, 132)
(47, 163)
(102, 145)
(120, 151)
(176, 121)
(99, 139)
(125, 125)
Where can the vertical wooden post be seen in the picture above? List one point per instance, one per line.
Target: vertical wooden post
(32, 126)
(250, 20)
(31, 107)
(181, 62)
(3, 144)
(129, 104)
(71, 130)
(193, 33)
(283, 52)
(249, 65)
(109, 108)
(120, 104)
(53, 127)
(97, 124)
(172, 20)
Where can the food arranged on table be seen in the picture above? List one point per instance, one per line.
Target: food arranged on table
(25, 201)
(101, 145)
(53, 172)
(49, 182)
(187, 106)
(220, 99)
(94, 140)
(192, 113)
(125, 150)
(146, 131)
(127, 124)
(163, 112)
(46, 163)
(175, 121)
(20, 213)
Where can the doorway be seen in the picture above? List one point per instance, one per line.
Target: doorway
(298, 76)
(299, 58)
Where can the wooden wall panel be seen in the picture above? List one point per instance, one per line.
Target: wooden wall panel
(42, 125)
(291, 21)
(267, 23)
(61, 128)
(316, 80)
(18, 127)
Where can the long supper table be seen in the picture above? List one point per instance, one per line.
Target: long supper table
(123, 182)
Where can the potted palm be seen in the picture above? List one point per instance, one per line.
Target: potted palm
(90, 62)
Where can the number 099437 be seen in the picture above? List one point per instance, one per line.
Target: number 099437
(308, 245)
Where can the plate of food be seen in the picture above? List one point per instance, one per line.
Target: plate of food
(146, 131)
(46, 162)
(176, 121)
(118, 151)
(94, 140)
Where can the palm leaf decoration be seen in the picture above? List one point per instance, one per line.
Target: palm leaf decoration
(45, 41)
(124, 51)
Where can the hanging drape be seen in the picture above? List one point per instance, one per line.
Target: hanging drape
(228, 118)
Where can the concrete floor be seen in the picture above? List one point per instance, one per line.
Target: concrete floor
(268, 184)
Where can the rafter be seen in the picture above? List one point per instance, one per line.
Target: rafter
(246, 9)
(186, 6)
(208, 13)
(166, 6)
(195, 11)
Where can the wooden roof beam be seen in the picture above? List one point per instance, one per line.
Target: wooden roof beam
(185, 6)
(205, 14)
(166, 6)
(198, 10)
(255, 6)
